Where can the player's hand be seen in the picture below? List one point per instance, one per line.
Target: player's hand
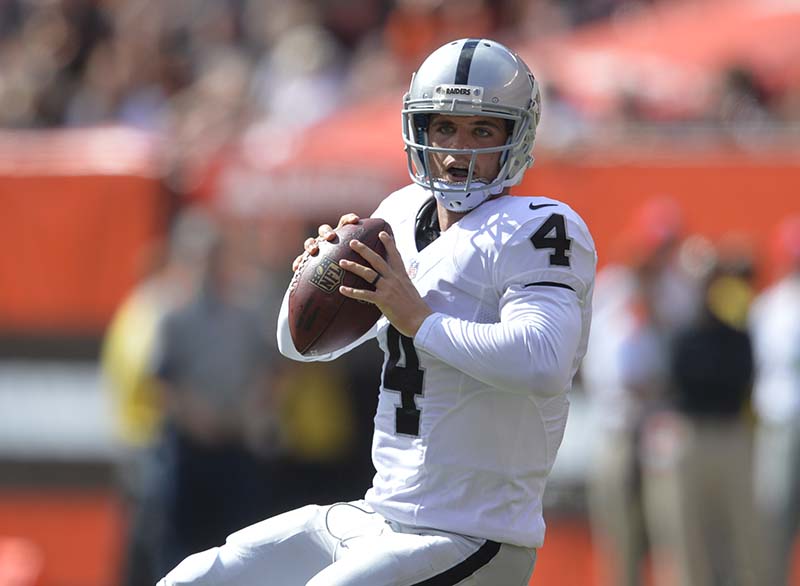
(324, 232)
(394, 294)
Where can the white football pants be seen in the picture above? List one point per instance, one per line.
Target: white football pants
(348, 544)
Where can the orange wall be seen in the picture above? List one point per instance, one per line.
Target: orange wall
(77, 535)
(719, 193)
(69, 248)
(69, 243)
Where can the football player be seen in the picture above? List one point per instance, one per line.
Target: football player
(486, 302)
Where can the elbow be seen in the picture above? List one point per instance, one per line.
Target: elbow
(535, 382)
(549, 382)
(549, 371)
(539, 377)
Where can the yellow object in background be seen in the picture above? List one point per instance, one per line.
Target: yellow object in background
(126, 362)
(316, 412)
(729, 299)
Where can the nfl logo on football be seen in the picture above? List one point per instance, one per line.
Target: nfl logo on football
(328, 276)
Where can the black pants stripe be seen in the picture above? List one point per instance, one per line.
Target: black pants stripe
(469, 566)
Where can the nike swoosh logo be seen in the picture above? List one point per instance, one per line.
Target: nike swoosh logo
(541, 205)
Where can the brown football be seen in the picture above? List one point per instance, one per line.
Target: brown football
(320, 318)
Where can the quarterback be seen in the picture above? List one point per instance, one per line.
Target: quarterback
(486, 302)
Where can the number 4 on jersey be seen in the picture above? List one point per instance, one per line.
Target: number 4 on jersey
(553, 234)
(407, 380)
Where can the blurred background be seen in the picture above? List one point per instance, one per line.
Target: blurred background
(161, 162)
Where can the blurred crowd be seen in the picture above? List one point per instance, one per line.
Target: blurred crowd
(144, 62)
(693, 374)
(204, 72)
(693, 369)
(215, 64)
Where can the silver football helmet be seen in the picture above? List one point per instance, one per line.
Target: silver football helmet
(471, 77)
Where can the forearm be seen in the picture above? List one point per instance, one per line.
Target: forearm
(531, 351)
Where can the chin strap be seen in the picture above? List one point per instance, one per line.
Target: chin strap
(457, 200)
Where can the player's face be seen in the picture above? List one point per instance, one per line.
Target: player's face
(465, 132)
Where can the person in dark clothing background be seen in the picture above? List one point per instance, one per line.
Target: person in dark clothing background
(713, 532)
(712, 359)
(216, 367)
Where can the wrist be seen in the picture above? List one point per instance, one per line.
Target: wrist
(417, 324)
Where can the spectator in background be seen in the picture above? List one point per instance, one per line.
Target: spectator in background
(326, 422)
(205, 121)
(637, 303)
(531, 20)
(125, 361)
(746, 109)
(325, 419)
(215, 362)
(305, 63)
(43, 58)
(706, 513)
(566, 127)
(775, 323)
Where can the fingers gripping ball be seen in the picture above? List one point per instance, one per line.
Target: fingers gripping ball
(321, 319)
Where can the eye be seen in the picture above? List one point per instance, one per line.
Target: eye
(483, 132)
(444, 128)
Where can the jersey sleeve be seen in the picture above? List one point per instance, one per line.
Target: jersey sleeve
(532, 349)
(548, 251)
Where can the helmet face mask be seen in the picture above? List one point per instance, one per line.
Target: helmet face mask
(471, 77)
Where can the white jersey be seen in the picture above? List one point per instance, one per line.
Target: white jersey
(472, 411)
(775, 325)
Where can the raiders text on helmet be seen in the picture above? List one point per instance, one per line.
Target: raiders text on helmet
(471, 77)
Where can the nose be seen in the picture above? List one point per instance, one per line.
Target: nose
(459, 137)
(462, 139)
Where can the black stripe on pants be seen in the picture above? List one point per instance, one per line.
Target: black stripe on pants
(465, 569)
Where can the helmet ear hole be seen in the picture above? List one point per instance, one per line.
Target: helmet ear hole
(421, 123)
